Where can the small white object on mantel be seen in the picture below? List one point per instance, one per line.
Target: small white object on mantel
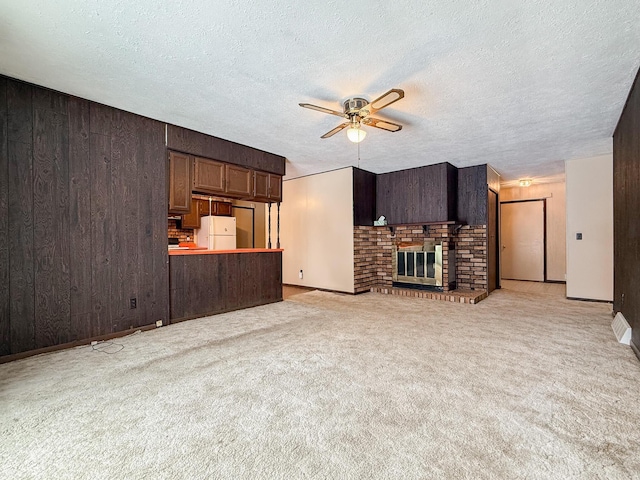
(381, 222)
(621, 328)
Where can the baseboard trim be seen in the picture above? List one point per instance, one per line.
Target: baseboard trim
(325, 289)
(589, 300)
(77, 343)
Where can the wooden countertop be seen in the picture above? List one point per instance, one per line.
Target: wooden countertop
(200, 251)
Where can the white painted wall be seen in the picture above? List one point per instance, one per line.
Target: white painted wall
(554, 193)
(590, 212)
(316, 230)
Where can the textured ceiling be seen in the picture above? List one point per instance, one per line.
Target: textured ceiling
(521, 85)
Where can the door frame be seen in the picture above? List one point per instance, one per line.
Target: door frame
(544, 232)
(498, 251)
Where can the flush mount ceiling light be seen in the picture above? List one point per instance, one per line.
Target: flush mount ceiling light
(525, 182)
(357, 111)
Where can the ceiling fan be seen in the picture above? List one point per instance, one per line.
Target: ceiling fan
(357, 110)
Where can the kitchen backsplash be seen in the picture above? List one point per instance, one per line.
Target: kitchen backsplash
(179, 233)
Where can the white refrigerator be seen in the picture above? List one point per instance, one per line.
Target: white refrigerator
(217, 233)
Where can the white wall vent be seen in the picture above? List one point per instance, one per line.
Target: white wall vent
(621, 328)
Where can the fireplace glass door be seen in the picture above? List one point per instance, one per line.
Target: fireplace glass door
(420, 265)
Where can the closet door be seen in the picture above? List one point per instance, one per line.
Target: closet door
(523, 238)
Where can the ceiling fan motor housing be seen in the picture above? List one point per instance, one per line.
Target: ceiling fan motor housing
(353, 106)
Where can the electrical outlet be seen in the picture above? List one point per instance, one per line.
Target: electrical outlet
(133, 302)
(158, 323)
(300, 274)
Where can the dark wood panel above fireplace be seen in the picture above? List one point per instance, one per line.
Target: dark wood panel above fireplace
(418, 195)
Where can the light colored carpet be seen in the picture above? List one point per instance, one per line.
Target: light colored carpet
(326, 385)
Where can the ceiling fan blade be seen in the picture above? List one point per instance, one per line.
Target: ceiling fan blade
(330, 133)
(322, 109)
(382, 101)
(383, 124)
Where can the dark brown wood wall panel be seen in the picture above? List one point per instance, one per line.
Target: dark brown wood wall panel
(451, 191)
(207, 284)
(626, 204)
(100, 118)
(20, 112)
(177, 287)
(21, 271)
(157, 153)
(83, 214)
(79, 219)
(472, 195)
(124, 226)
(416, 195)
(100, 152)
(364, 197)
(152, 231)
(51, 218)
(5, 325)
(196, 143)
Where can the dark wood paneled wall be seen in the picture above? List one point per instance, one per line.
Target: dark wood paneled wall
(626, 204)
(5, 308)
(472, 195)
(208, 284)
(415, 195)
(364, 197)
(196, 143)
(82, 217)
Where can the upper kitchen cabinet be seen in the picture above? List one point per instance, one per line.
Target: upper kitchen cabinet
(179, 183)
(217, 178)
(209, 176)
(192, 219)
(220, 179)
(201, 207)
(223, 209)
(267, 187)
(202, 145)
(216, 207)
(275, 188)
(239, 181)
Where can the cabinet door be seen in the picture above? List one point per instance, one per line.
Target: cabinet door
(179, 183)
(192, 219)
(261, 186)
(239, 181)
(223, 209)
(204, 207)
(208, 176)
(275, 188)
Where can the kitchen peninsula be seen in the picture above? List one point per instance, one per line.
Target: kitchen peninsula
(206, 282)
(203, 281)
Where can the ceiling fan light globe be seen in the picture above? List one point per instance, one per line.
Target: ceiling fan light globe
(356, 135)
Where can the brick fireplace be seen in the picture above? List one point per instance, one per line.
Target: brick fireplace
(463, 250)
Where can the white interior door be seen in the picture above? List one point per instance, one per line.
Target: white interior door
(522, 237)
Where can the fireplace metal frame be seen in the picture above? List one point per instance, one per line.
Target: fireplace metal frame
(418, 265)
